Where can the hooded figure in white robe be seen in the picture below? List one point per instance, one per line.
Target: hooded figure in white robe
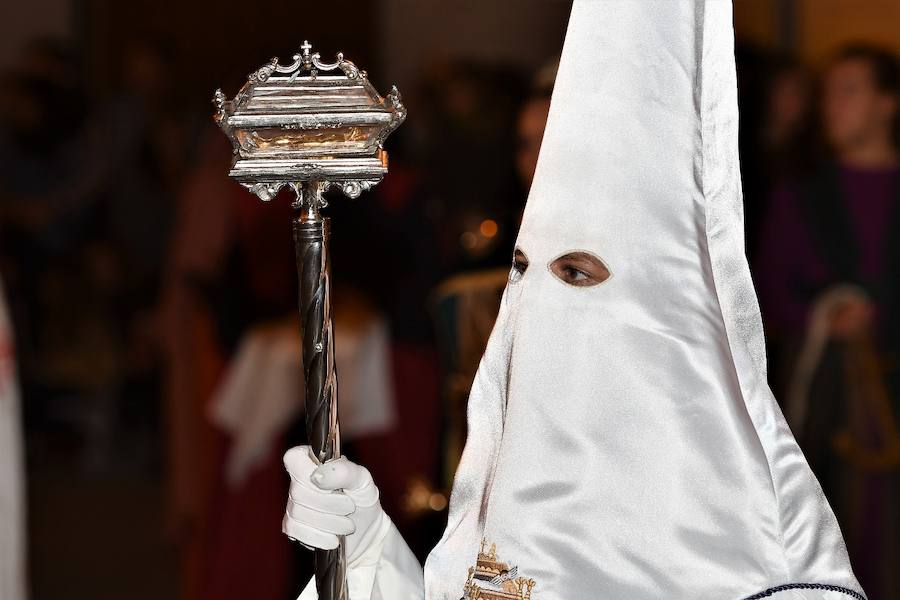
(623, 442)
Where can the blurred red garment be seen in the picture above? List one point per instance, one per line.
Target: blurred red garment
(192, 363)
(230, 538)
(248, 557)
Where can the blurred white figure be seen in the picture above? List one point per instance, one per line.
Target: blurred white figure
(262, 391)
(12, 489)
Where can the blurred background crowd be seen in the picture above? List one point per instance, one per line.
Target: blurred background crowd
(152, 300)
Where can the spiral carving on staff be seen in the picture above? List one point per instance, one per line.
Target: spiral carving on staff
(310, 236)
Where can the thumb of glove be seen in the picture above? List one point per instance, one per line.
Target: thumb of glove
(355, 481)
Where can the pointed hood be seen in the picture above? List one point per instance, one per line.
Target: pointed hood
(623, 442)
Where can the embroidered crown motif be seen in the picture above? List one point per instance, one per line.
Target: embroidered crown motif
(491, 579)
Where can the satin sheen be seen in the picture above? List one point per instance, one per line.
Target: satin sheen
(623, 442)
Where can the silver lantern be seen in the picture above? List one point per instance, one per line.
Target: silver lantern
(312, 126)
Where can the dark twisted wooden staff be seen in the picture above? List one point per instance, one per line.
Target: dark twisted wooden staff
(311, 233)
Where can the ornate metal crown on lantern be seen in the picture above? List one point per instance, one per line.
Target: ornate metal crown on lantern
(311, 126)
(291, 124)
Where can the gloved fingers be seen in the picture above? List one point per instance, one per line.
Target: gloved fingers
(311, 497)
(299, 463)
(333, 524)
(341, 474)
(308, 536)
(338, 474)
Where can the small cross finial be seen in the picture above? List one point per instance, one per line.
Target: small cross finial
(306, 47)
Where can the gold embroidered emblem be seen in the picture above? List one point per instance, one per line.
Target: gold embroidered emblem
(491, 579)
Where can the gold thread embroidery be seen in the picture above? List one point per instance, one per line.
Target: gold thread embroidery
(491, 579)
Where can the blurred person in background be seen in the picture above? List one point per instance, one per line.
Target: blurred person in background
(51, 232)
(473, 108)
(145, 149)
(778, 133)
(829, 274)
(43, 120)
(532, 121)
(85, 211)
(12, 488)
(85, 191)
(787, 136)
(145, 136)
(202, 234)
(779, 143)
(230, 270)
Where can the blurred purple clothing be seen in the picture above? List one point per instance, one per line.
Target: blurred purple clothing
(791, 269)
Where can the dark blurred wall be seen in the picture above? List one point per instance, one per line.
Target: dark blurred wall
(21, 22)
(757, 21)
(820, 27)
(218, 43)
(824, 25)
(522, 33)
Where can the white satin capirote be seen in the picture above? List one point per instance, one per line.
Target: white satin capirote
(623, 442)
(654, 382)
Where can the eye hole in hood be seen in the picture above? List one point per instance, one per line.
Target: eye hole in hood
(579, 269)
(519, 266)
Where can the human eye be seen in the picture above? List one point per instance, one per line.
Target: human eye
(519, 266)
(572, 274)
(580, 269)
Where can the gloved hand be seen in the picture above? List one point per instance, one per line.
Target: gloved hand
(329, 500)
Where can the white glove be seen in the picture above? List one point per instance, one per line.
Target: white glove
(337, 498)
